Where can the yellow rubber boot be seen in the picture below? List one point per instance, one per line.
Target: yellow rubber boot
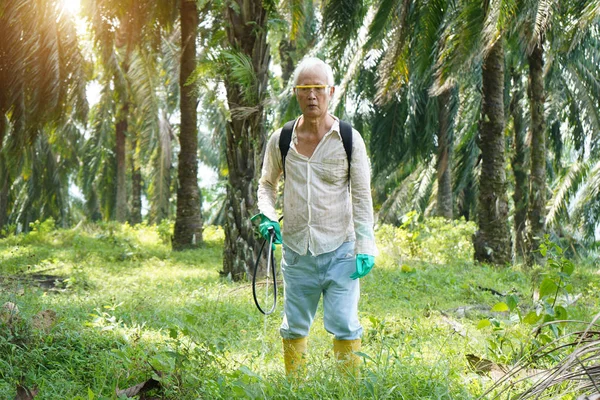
(294, 356)
(344, 352)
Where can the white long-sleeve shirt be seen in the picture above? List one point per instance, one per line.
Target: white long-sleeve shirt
(320, 210)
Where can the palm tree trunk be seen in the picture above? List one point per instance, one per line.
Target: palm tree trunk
(519, 163)
(120, 148)
(536, 212)
(4, 174)
(247, 32)
(188, 222)
(136, 183)
(286, 48)
(492, 240)
(444, 157)
(4, 187)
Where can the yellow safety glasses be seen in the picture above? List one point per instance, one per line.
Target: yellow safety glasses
(305, 89)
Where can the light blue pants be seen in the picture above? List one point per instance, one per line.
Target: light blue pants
(305, 278)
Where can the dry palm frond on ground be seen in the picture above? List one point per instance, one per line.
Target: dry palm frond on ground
(577, 371)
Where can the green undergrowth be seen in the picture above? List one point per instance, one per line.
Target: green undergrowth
(124, 308)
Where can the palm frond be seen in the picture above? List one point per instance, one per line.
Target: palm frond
(581, 24)
(542, 17)
(394, 67)
(414, 192)
(382, 21)
(462, 40)
(356, 59)
(433, 18)
(241, 72)
(162, 162)
(399, 201)
(574, 372)
(566, 189)
(143, 74)
(588, 103)
(588, 192)
(294, 10)
(342, 20)
(97, 177)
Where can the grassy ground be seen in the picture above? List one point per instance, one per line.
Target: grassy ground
(124, 309)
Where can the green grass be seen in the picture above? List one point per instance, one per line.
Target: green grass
(128, 309)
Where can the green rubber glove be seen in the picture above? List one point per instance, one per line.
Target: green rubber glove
(364, 264)
(263, 228)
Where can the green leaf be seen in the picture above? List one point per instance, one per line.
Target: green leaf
(512, 301)
(548, 287)
(364, 355)
(568, 267)
(247, 371)
(569, 288)
(554, 330)
(553, 263)
(500, 307)
(407, 268)
(549, 312)
(560, 313)
(543, 250)
(484, 323)
(532, 318)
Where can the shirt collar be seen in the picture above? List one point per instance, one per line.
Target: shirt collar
(334, 128)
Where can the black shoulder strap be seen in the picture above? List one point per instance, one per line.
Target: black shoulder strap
(285, 138)
(346, 132)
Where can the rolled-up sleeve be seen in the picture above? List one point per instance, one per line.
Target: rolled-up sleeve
(362, 203)
(269, 178)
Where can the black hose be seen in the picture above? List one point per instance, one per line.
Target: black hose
(270, 260)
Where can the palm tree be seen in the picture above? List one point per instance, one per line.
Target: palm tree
(574, 87)
(492, 241)
(157, 149)
(404, 38)
(519, 161)
(42, 85)
(247, 64)
(476, 32)
(540, 30)
(188, 223)
(129, 57)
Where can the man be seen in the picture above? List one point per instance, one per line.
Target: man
(328, 239)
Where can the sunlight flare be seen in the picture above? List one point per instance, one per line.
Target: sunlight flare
(72, 6)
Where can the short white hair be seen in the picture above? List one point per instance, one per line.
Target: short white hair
(311, 62)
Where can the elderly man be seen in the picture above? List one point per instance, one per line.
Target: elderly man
(328, 239)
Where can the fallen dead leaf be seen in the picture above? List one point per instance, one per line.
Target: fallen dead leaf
(44, 320)
(486, 367)
(140, 389)
(24, 393)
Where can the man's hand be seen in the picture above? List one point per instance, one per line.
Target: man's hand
(265, 224)
(364, 264)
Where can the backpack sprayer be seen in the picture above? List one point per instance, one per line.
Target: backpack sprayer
(271, 264)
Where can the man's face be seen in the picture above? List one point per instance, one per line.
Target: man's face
(313, 101)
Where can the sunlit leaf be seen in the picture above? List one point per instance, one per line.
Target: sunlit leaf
(531, 318)
(500, 307)
(548, 287)
(483, 323)
(512, 301)
(560, 313)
